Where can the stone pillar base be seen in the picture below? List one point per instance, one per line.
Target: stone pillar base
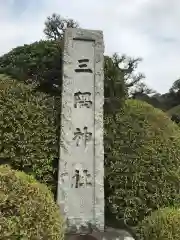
(108, 234)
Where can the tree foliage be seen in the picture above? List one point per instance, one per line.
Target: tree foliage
(27, 208)
(56, 25)
(142, 162)
(39, 63)
(175, 86)
(115, 91)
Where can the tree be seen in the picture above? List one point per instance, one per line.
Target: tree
(39, 62)
(122, 81)
(171, 99)
(56, 25)
(129, 66)
(134, 81)
(176, 86)
(115, 90)
(141, 88)
(174, 92)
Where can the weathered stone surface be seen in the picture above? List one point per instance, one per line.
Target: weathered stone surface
(81, 164)
(108, 234)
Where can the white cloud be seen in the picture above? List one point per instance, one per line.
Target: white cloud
(138, 28)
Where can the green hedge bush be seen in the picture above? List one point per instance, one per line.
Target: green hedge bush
(39, 61)
(142, 162)
(163, 224)
(28, 140)
(27, 208)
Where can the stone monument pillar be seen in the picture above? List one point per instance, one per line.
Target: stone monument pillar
(81, 162)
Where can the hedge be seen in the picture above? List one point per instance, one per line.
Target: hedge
(28, 140)
(39, 61)
(27, 208)
(163, 224)
(142, 162)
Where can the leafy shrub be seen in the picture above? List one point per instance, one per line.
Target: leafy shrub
(27, 209)
(163, 224)
(28, 139)
(40, 62)
(142, 162)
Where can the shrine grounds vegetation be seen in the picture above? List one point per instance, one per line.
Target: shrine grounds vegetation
(142, 154)
(142, 162)
(28, 140)
(27, 208)
(161, 224)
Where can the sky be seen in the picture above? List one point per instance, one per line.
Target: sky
(149, 29)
